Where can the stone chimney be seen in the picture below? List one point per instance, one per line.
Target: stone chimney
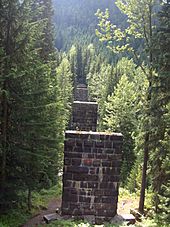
(92, 162)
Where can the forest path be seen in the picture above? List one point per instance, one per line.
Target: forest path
(124, 206)
(38, 219)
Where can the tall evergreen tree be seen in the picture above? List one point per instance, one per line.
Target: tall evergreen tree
(10, 29)
(31, 120)
(123, 110)
(45, 13)
(160, 111)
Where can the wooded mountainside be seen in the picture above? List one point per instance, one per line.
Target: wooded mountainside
(75, 21)
(121, 51)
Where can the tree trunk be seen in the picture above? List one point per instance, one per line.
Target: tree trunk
(143, 185)
(146, 153)
(149, 96)
(4, 137)
(29, 204)
(4, 102)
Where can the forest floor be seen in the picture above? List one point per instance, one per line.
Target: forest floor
(124, 206)
(38, 218)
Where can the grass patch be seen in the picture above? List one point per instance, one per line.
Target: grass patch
(67, 223)
(71, 223)
(15, 218)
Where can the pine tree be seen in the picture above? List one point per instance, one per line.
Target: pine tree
(121, 114)
(160, 112)
(64, 80)
(9, 31)
(32, 122)
(120, 117)
(44, 7)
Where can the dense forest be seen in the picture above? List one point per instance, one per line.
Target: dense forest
(121, 51)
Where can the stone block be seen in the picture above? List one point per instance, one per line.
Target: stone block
(87, 150)
(92, 184)
(91, 156)
(84, 184)
(82, 192)
(67, 176)
(99, 144)
(108, 144)
(105, 192)
(77, 169)
(79, 143)
(76, 161)
(97, 150)
(92, 170)
(110, 151)
(68, 183)
(70, 197)
(109, 199)
(88, 143)
(73, 155)
(101, 156)
(87, 162)
(77, 150)
(116, 137)
(84, 199)
(70, 142)
(67, 161)
(79, 177)
(106, 163)
(96, 162)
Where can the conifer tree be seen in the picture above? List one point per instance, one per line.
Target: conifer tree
(31, 120)
(45, 13)
(122, 113)
(9, 51)
(160, 112)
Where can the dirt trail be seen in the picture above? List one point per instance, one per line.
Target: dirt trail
(38, 219)
(124, 206)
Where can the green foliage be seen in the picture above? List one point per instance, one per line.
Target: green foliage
(18, 217)
(164, 197)
(120, 117)
(100, 79)
(80, 27)
(123, 108)
(42, 198)
(160, 105)
(32, 108)
(142, 18)
(145, 222)
(69, 223)
(135, 177)
(36, 89)
(64, 82)
(137, 32)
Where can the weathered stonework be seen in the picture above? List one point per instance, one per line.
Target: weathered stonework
(81, 93)
(91, 177)
(92, 163)
(84, 116)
